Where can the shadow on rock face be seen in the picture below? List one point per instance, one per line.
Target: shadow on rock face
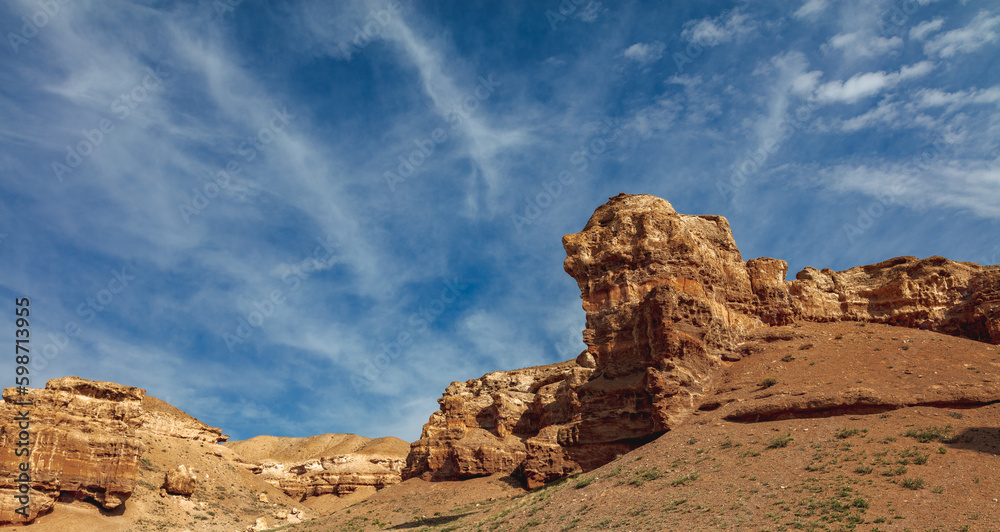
(69, 497)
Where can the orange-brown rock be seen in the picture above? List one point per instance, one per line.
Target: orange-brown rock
(668, 298)
(180, 481)
(484, 424)
(82, 440)
(337, 464)
(957, 298)
(163, 419)
(39, 503)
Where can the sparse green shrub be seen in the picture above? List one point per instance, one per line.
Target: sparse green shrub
(780, 441)
(845, 433)
(687, 479)
(901, 470)
(929, 434)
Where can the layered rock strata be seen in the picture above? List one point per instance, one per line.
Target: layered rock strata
(81, 441)
(163, 419)
(668, 298)
(328, 464)
(84, 441)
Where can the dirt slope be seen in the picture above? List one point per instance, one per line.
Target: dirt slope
(918, 451)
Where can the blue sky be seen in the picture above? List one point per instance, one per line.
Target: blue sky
(302, 217)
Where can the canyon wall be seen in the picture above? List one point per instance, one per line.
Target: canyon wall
(668, 299)
(84, 441)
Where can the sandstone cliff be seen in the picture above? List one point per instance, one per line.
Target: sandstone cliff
(337, 464)
(84, 441)
(669, 299)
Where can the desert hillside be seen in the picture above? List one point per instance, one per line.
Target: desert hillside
(865, 427)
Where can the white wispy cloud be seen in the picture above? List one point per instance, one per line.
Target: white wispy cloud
(972, 185)
(711, 31)
(810, 9)
(485, 143)
(925, 28)
(887, 111)
(863, 44)
(938, 97)
(644, 53)
(980, 32)
(869, 84)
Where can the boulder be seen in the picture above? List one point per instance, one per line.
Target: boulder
(180, 481)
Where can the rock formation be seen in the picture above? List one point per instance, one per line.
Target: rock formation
(82, 436)
(84, 441)
(337, 464)
(482, 425)
(956, 298)
(180, 481)
(163, 419)
(668, 299)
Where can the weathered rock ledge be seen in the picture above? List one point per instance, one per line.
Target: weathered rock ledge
(327, 464)
(668, 299)
(82, 442)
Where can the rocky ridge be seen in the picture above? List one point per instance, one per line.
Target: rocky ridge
(669, 300)
(327, 464)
